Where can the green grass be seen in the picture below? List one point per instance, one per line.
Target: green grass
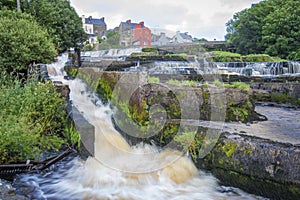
(152, 79)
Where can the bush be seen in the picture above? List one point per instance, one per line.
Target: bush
(150, 49)
(223, 56)
(32, 120)
(22, 42)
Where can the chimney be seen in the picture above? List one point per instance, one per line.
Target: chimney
(102, 19)
(90, 18)
(83, 19)
(128, 21)
(142, 23)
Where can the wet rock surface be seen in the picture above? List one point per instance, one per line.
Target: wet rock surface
(8, 192)
(283, 125)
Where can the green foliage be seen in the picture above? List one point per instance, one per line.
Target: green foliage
(190, 141)
(112, 41)
(238, 112)
(104, 89)
(281, 29)
(32, 118)
(152, 79)
(22, 42)
(150, 49)
(242, 85)
(182, 83)
(88, 47)
(60, 19)
(245, 87)
(8, 4)
(285, 98)
(72, 135)
(223, 56)
(71, 71)
(271, 27)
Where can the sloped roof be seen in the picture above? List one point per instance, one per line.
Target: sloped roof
(131, 25)
(95, 21)
(186, 36)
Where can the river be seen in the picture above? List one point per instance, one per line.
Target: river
(118, 170)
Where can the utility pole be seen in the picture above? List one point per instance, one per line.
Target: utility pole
(18, 6)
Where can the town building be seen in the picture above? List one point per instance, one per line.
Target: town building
(95, 28)
(134, 34)
(160, 40)
(181, 38)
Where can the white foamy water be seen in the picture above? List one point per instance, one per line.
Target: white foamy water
(120, 171)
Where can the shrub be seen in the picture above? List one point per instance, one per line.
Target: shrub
(152, 79)
(150, 49)
(32, 119)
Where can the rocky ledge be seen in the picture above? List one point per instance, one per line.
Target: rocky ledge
(261, 166)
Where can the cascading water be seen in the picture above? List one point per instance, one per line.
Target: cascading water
(111, 54)
(176, 67)
(261, 69)
(121, 171)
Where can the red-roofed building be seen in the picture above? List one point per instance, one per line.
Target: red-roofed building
(134, 34)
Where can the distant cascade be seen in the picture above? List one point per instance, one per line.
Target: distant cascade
(176, 67)
(109, 54)
(260, 68)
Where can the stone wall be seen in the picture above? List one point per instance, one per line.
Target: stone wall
(290, 89)
(257, 165)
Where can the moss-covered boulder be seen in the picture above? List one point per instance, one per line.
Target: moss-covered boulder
(256, 165)
(154, 111)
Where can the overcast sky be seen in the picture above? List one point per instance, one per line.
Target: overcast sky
(200, 18)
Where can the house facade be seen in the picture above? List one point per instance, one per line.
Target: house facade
(181, 38)
(95, 28)
(160, 40)
(134, 34)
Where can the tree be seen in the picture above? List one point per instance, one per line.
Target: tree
(22, 42)
(61, 21)
(271, 27)
(281, 30)
(244, 31)
(8, 4)
(112, 41)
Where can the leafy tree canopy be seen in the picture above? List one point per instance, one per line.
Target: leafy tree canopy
(8, 4)
(61, 20)
(271, 26)
(22, 42)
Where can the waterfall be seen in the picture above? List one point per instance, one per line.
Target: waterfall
(121, 171)
(111, 54)
(56, 70)
(176, 67)
(260, 68)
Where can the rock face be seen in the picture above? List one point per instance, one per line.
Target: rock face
(86, 131)
(289, 89)
(257, 165)
(109, 65)
(213, 103)
(64, 90)
(7, 192)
